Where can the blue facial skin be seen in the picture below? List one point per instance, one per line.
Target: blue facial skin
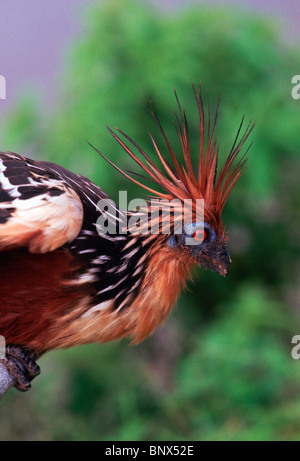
(211, 253)
(185, 238)
(191, 228)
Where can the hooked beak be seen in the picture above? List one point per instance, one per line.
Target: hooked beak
(216, 259)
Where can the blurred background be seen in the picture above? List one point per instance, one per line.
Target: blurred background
(221, 367)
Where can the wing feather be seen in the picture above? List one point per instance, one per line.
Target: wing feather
(37, 209)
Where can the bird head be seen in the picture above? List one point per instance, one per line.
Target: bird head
(200, 236)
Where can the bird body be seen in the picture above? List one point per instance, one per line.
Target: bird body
(61, 282)
(65, 283)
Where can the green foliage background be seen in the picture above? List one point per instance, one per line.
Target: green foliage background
(221, 367)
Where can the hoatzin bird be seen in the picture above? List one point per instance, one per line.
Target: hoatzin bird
(65, 283)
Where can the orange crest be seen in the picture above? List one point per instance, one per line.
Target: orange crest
(181, 181)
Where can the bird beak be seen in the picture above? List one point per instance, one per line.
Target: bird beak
(218, 262)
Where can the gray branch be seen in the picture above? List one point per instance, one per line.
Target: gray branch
(6, 380)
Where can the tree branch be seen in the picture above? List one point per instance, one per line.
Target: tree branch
(6, 380)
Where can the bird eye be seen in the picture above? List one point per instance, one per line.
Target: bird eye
(200, 235)
(192, 235)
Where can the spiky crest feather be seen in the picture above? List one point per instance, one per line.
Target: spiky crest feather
(180, 181)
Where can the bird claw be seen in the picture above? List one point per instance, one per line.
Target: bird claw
(21, 366)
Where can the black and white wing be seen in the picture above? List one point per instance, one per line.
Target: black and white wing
(38, 209)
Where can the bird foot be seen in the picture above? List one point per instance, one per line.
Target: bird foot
(21, 365)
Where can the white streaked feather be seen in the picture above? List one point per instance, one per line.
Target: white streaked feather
(131, 253)
(89, 250)
(99, 307)
(6, 185)
(112, 287)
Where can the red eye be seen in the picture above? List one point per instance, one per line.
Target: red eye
(199, 235)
